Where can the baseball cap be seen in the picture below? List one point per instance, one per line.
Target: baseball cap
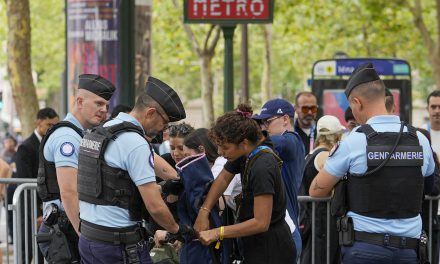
(275, 107)
(329, 124)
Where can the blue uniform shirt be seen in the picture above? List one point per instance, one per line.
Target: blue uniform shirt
(290, 149)
(351, 157)
(129, 152)
(62, 148)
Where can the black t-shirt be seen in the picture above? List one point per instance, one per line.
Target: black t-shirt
(264, 178)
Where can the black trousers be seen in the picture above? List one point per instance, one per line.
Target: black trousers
(276, 246)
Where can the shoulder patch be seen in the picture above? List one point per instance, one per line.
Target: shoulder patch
(334, 149)
(67, 149)
(151, 160)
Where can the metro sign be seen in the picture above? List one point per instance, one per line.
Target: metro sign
(228, 11)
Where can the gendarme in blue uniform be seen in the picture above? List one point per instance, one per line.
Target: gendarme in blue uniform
(62, 148)
(126, 152)
(351, 157)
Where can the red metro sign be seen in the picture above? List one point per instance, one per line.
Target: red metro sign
(228, 11)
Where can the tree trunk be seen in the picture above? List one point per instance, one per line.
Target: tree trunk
(266, 81)
(435, 61)
(207, 88)
(19, 63)
(431, 44)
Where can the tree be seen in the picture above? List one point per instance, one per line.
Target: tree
(266, 80)
(432, 44)
(205, 54)
(19, 63)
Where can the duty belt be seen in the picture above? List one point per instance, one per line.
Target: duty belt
(387, 240)
(116, 236)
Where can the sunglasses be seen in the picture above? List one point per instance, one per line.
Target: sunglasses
(306, 108)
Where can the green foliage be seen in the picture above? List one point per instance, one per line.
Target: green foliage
(47, 25)
(48, 43)
(303, 31)
(173, 57)
(3, 32)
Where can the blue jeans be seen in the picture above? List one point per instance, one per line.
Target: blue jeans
(364, 253)
(99, 253)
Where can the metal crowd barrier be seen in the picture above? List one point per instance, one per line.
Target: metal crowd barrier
(28, 187)
(314, 201)
(25, 187)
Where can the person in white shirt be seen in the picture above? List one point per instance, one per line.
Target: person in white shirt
(433, 102)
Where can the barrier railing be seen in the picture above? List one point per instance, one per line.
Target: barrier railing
(308, 199)
(21, 203)
(314, 201)
(430, 230)
(28, 187)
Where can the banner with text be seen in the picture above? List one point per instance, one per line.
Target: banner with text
(92, 42)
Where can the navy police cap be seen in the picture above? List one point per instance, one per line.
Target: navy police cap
(97, 85)
(362, 74)
(166, 97)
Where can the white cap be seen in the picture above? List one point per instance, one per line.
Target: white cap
(328, 125)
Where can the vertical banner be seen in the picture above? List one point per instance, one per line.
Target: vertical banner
(92, 42)
(142, 43)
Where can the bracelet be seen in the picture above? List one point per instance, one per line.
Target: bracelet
(220, 237)
(222, 233)
(206, 209)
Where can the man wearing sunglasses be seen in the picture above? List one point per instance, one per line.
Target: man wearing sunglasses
(306, 108)
(276, 118)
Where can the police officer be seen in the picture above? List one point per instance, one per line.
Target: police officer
(387, 164)
(58, 166)
(116, 180)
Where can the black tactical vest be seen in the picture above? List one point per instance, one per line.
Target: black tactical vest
(100, 184)
(47, 183)
(396, 190)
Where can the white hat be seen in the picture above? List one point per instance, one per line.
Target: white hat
(328, 125)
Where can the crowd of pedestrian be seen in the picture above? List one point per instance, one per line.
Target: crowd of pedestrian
(230, 192)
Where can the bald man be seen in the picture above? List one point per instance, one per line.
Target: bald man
(382, 223)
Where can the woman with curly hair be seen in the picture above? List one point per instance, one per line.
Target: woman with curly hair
(261, 206)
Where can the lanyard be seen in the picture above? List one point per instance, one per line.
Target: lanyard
(312, 139)
(244, 176)
(255, 151)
